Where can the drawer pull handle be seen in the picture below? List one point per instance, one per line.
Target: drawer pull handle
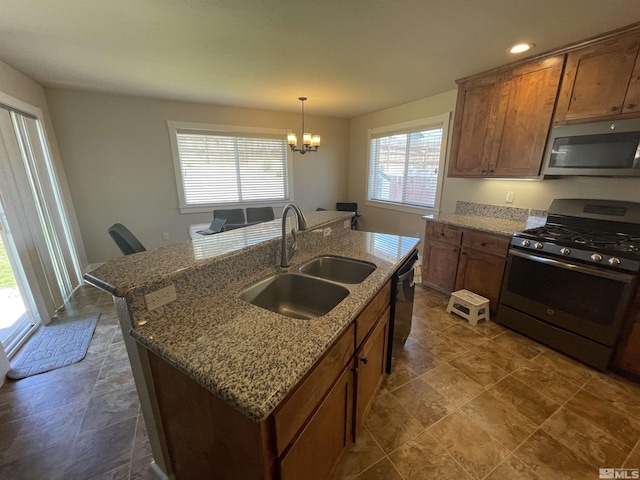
(631, 105)
(483, 244)
(364, 360)
(615, 109)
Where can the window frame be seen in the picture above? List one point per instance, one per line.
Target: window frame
(437, 121)
(175, 126)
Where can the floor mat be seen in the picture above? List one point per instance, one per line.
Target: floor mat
(53, 346)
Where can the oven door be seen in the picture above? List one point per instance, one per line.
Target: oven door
(587, 301)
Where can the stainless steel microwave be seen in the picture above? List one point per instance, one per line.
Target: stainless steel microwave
(594, 149)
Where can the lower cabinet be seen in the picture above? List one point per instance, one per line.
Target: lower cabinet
(462, 258)
(306, 434)
(317, 449)
(628, 351)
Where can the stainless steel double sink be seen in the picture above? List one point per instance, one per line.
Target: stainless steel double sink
(315, 291)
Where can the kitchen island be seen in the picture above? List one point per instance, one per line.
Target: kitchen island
(242, 362)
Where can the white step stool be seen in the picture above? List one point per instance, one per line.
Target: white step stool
(477, 307)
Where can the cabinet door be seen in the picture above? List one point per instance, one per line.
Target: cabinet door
(473, 127)
(481, 273)
(371, 361)
(439, 265)
(527, 97)
(632, 100)
(596, 79)
(314, 453)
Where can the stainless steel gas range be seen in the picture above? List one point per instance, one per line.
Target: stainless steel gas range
(569, 283)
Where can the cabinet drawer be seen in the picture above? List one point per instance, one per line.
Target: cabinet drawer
(301, 403)
(443, 233)
(370, 314)
(486, 242)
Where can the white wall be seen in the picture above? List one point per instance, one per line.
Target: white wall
(118, 159)
(528, 194)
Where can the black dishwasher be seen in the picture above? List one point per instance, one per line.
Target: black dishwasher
(402, 283)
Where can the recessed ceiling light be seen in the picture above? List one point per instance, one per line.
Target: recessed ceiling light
(521, 47)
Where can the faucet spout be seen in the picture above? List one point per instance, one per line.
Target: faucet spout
(288, 252)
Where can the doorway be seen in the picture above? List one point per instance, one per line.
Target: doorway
(16, 318)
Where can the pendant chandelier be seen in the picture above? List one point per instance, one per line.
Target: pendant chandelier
(310, 142)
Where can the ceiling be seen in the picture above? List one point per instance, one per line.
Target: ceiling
(349, 57)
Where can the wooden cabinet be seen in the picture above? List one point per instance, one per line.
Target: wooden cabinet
(481, 265)
(601, 81)
(502, 121)
(440, 256)
(465, 259)
(304, 436)
(318, 448)
(370, 363)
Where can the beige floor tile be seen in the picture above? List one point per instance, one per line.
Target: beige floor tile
(619, 392)
(507, 360)
(606, 417)
(383, 470)
(479, 369)
(549, 459)
(519, 344)
(445, 347)
(465, 335)
(633, 460)
(424, 458)
(470, 445)
(418, 358)
(400, 374)
(391, 424)
(527, 401)
(423, 401)
(588, 442)
(358, 457)
(500, 419)
(488, 329)
(452, 384)
(563, 366)
(439, 319)
(512, 469)
(547, 382)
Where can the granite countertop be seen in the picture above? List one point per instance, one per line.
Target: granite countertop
(495, 225)
(248, 356)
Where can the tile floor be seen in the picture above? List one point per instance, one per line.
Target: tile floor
(463, 402)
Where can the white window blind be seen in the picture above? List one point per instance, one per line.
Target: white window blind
(231, 167)
(405, 164)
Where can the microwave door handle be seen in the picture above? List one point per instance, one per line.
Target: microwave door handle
(619, 277)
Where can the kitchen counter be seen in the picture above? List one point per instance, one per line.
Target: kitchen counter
(498, 226)
(248, 356)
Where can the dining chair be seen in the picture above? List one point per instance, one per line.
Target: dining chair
(231, 215)
(259, 214)
(125, 240)
(349, 207)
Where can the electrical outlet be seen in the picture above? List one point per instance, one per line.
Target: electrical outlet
(510, 196)
(326, 232)
(160, 297)
(165, 236)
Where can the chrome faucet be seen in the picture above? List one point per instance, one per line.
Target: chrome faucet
(288, 253)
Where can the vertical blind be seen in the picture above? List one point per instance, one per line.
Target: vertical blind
(218, 169)
(403, 167)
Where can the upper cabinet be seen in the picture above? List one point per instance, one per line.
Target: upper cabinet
(502, 120)
(601, 81)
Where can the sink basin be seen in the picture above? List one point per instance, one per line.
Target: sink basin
(337, 269)
(295, 296)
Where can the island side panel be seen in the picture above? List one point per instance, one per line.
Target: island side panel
(206, 437)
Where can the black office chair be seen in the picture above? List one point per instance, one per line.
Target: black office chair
(125, 240)
(259, 214)
(233, 216)
(349, 207)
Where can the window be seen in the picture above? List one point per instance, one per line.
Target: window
(220, 165)
(406, 163)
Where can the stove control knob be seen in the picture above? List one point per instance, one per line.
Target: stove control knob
(526, 243)
(596, 257)
(565, 251)
(614, 261)
(538, 245)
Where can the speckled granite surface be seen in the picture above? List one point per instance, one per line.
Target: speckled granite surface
(491, 218)
(248, 356)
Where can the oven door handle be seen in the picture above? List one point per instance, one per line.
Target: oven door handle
(619, 277)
